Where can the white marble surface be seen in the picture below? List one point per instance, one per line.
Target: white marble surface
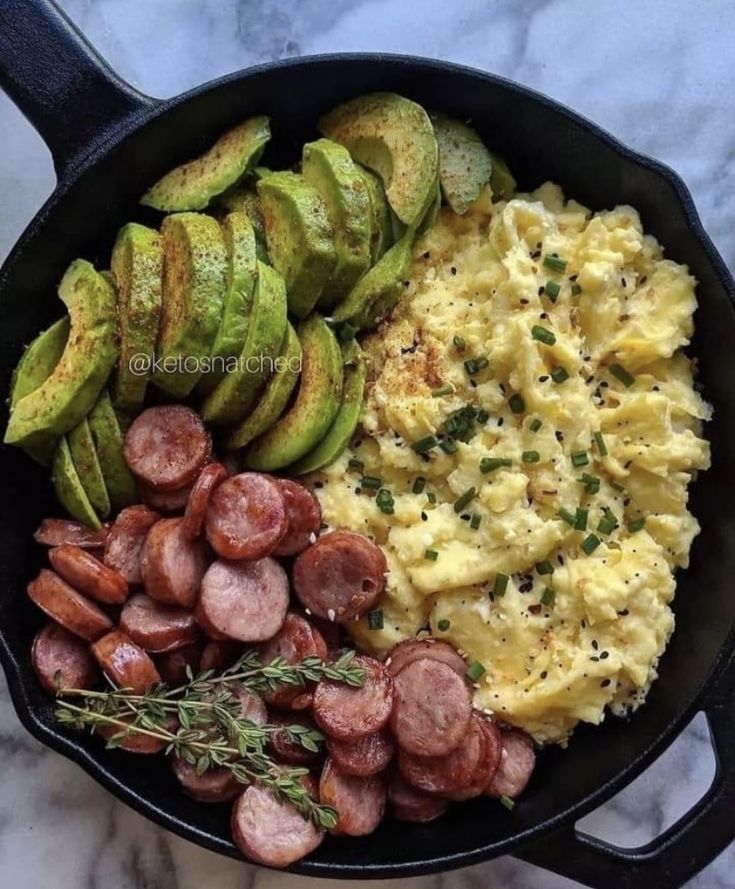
(657, 74)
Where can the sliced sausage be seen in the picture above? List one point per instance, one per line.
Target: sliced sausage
(218, 656)
(55, 532)
(284, 746)
(410, 650)
(87, 574)
(125, 662)
(246, 516)
(366, 756)
(208, 628)
(359, 802)
(166, 501)
(487, 765)
(196, 505)
(444, 774)
(156, 627)
(62, 660)
(67, 607)
(172, 664)
(517, 762)
(330, 632)
(304, 518)
(270, 831)
(136, 742)
(411, 804)
(245, 600)
(172, 566)
(431, 708)
(341, 576)
(124, 546)
(296, 640)
(348, 713)
(252, 707)
(166, 447)
(216, 785)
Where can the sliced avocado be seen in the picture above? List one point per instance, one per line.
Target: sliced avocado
(244, 199)
(87, 465)
(69, 490)
(195, 262)
(137, 267)
(108, 442)
(316, 404)
(394, 137)
(381, 235)
(193, 185)
(69, 392)
(375, 295)
(345, 423)
(340, 183)
(299, 237)
(432, 211)
(274, 397)
(239, 283)
(233, 396)
(465, 164)
(502, 182)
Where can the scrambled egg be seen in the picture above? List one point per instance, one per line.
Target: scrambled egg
(547, 339)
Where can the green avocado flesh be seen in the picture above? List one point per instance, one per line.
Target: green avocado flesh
(316, 404)
(137, 268)
(432, 211)
(193, 185)
(275, 396)
(87, 465)
(392, 136)
(342, 429)
(108, 442)
(195, 262)
(69, 392)
(382, 233)
(502, 183)
(234, 395)
(69, 490)
(299, 237)
(465, 165)
(245, 200)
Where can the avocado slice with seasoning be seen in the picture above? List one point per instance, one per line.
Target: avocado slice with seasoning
(392, 136)
(67, 395)
(340, 183)
(240, 278)
(195, 262)
(87, 464)
(299, 237)
(465, 164)
(233, 396)
(244, 199)
(193, 185)
(316, 404)
(381, 236)
(502, 182)
(137, 268)
(432, 211)
(343, 428)
(69, 490)
(107, 435)
(276, 394)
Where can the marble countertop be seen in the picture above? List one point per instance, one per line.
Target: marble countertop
(656, 73)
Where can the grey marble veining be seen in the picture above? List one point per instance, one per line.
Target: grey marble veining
(656, 73)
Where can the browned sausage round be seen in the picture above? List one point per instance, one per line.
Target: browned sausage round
(271, 832)
(341, 576)
(156, 627)
(124, 546)
(208, 628)
(444, 774)
(296, 640)
(246, 516)
(487, 765)
(55, 532)
(348, 713)
(167, 446)
(136, 742)
(172, 664)
(286, 749)
(245, 600)
(68, 607)
(252, 707)
(331, 632)
(87, 574)
(62, 660)
(166, 501)
(431, 708)
(410, 650)
(172, 566)
(359, 802)
(411, 804)
(125, 662)
(366, 756)
(196, 505)
(218, 655)
(517, 761)
(304, 518)
(216, 785)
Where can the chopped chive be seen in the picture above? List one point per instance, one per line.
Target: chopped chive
(559, 374)
(423, 445)
(507, 802)
(579, 458)
(580, 519)
(490, 464)
(601, 446)
(431, 497)
(636, 525)
(552, 290)
(530, 456)
(475, 521)
(448, 446)
(459, 343)
(543, 335)
(548, 596)
(347, 332)
(482, 416)
(544, 567)
(568, 517)
(431, 554)
(610, 515)
(516, 403)
(461, 502)
(371, 482)
(474, 365)
(576, 289)
(442, 390)
(606, 526)
(590, 544)
(554, 262)
(386, 503)
(535, 425)
(375, 619)
(419, 483)
(617, 487)
(475, 670)
(443, 625)
(591, 483)
(625, 377)
(501, 584)
(354, 463)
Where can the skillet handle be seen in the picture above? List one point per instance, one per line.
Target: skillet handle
(60, 84)
(671, 859)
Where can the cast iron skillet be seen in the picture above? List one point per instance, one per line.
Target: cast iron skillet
(110, 142)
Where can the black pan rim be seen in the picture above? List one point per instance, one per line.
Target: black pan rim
(72, 747)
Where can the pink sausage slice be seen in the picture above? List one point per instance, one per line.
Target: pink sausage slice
(172, 664)
(304, 518)
(410, 650)
(55, 532)
(411, 804)
(155, 627)
(284, 746)
(196, 505)
(62, 660)
(488, 764)
(125, 662)
(68, 607)
(172, 566)
(166, 501)
(246, 516)
(366, 756)
(359, 802)
(216, 785)
(124, 547)
(516, 764)
(297, 639)
(83, 571)
(348, 713)
(445, 774)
